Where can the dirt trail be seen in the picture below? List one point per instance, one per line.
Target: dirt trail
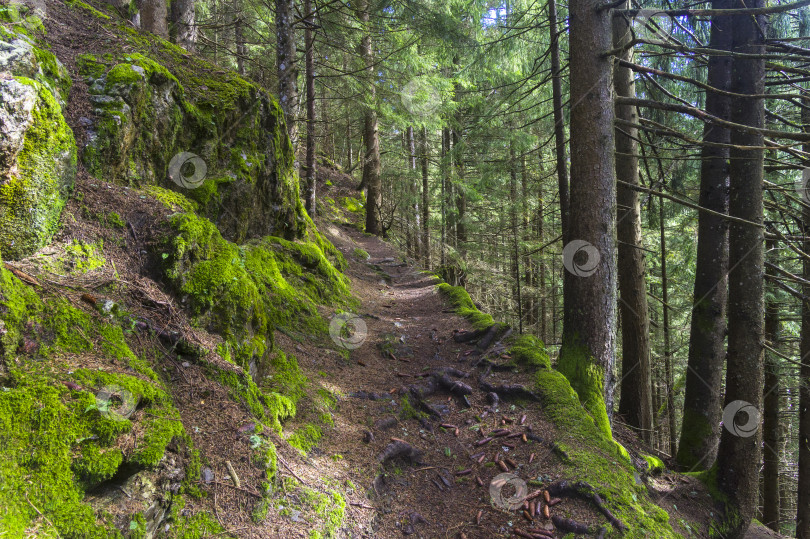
(410, 328)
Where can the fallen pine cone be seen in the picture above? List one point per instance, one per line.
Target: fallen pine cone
(478, 517)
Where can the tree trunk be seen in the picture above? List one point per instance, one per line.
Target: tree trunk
(425, 200)
(309, 53)
(700, 433)
(739, 453)
(770, 424)
(445, 174)
(635, 404)
(587, 356)
(513, 218)
(559, 125)
(154, 15)
(803, 497)
(668, 376)
(287, 72)
(371, 164)
(184, 24)
(461, 203)
(413, 189)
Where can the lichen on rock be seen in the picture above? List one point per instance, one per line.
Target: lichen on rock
(37, 165)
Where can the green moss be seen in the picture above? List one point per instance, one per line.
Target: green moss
(360, 254)
(114, 220)
(329, 509)
(287, 377)
(194, 526)
(124, 74)
(246, 292)
(353, 205)
(306, 438)
(97, 465)
(407, 411)
(87, 8)
(31, 201)
(171, 199)
(654, 464)
(588, 380)
(90, 66)
(84, 257)
(597, 460)
(530, 351)
(272, 407)
(461, 301)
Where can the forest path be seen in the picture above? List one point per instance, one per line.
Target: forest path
(409, 333)
(410, 328)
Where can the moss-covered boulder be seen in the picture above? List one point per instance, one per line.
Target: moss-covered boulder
(21, 57)
(246, 292)
(222, 144)
(37, 165)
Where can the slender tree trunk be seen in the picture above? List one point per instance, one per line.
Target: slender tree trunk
(770, 425)
(413, 189)
(154, 17)
(239, 36)
(530, 268)
(588, 353)
(445, 173)
(425, 200)
(461, 204)
(184, 24)
(516, 290)
(635, 404)
(668, 376)
(311, 164)
(371, 164)
(739, 453)
(287, 72)
(700, 433)
(559, 126)
(803, 497)
(541, 266)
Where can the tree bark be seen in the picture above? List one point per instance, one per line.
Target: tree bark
(371, 164)
(513, 218)
(770, 424)
(739, 453)
(287, 72)
(414, 232)
(425, 199)
(184, 24)
(668, 375)
(559, 125)
(635, 404)
(697, 448)
(587, 356)
(311, 164)
(803, 497)
(154, 17)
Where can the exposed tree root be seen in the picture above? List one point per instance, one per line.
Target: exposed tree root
(585, 491)
(401, 450)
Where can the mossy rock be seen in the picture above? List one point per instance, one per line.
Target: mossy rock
(37, 166)
(20, 56)
(219, 140)
(60, 429)
(247, 292)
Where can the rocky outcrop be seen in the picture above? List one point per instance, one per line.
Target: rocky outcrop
(37, 148)
(149, 129)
